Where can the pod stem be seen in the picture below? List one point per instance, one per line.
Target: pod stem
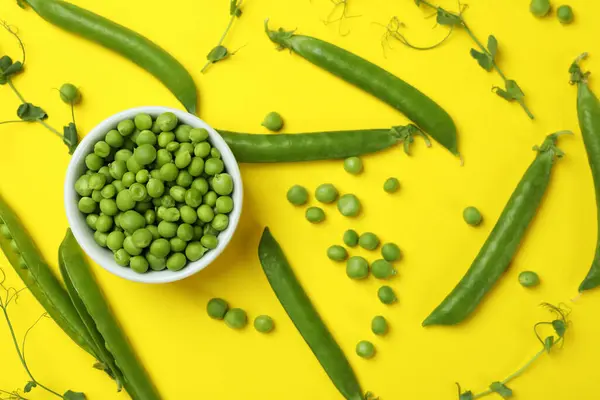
(549, 144)
(577, 74)
(406, 135)
(280, 37)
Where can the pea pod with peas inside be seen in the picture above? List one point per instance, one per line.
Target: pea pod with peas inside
(299, 308)
(502, 244)
(124, 41)
(419, 108)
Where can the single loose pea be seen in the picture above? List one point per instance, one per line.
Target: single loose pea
(391, 185)
(263, 324)
(326, 193)
(178, 193)
(365, 349)
(167, 201)
(146, 137)
(104, 223)
(154, 231)
(173, 147)
(97, 181)
(539, 8)
(167, 121)
(565, 14)
(472, 216)
(178, 245)
(130, 247)
(193, 197)
(188, 214)
(315, 215)
(213, 166)
(164, 138)
(82, 186)
(138, 264)
(123, 155)
(125, 200)
(94, 162)
(349, 205)
(210, 199)
(176, 262)
(379, 325)
(167, 229)
(185, 232)
(126, 127)
(70, 94)
(353, 165)
(217, 308)
(273, 122)
(202, 149)
(222, 184)
(142, 176)
(108, 192)
(114, 139)
(169, 172)
(122, 257)
(102, 149)
(357, 268)
(138, 191)
(97, 196)
(382, 269)
(90, 220)
(144, 155)
(194, 250)
(205, 213)
(350, 238)
(183, 159)
(143, 121)
(156, 263)
(182, 133)
(297, 195)
(105, 171)
(100, 238)
(86, 205)
(391, 252)
(529, 279)
(224, 204)
(209, 241)
(150, 216)
(220, 222)
(128, 179)
(386, 295)
(236, 318)
(337, 253)
(155, 188)
(132, 221)
(160, 248)
(368, 241)
(198, 135)
(118, 184)
(196, 167)
(142, 238)
(201, 185)
(109, 207)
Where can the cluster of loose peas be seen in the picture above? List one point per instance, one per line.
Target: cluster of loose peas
(236, 318)
(155, 193)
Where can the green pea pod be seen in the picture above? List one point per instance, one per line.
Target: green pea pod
(29, 264)
(501, 246)
(419, 108)
(299, 308)
(588, 110)
(271, 148)
(124, 41)
(77, 272)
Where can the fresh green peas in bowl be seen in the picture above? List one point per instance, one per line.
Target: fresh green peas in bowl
(151, 197)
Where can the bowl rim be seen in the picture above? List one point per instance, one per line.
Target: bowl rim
(83, 234)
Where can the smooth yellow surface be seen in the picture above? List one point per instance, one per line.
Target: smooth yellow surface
(190, 356)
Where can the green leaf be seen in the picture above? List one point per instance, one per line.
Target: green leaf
(559, 327)
(71, 395)
(466, 396)
(492, 46)
(29, 112)
(447, 18)
(13, 69)
(5, 62)
(71, 140)
(234, 8)
(501, 389)
(512, 92)
(484, 59)
(217, 54)
(30, 385)
(548, 343)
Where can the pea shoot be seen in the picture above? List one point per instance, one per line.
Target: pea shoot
(220, 52)
(340, 8)
(486, 56)
(559, 327)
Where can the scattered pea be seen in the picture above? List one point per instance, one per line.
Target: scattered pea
(386, 295)
(315, 215)
(391, 185)
(337, 253)
(529, 279)
(70, 94)
(391, 252)
(368, 241)
(539, 8)
(349, 205)
(350, 238)
(236, 318)
(365, 349)
(297, 195)
(326, 193)
(472, 216)
(217, 308)
(382, 269)
(273, 122)
(357, 268)
(565, 14)
(263, 324)
(353, 165)
(379, 325)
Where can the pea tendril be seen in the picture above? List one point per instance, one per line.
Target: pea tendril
(220, 52)
(337, 5)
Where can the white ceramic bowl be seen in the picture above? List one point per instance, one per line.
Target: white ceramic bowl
(84, 234)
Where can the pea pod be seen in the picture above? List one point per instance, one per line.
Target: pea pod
(84, 290)
(124, 41)
(299, 308)
(26, 259)
(257, 148)
(502, 244)
(419, 108)
(588, 110)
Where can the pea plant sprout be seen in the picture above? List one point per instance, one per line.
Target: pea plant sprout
(220, 52)
(486, 56)
(9, 296)
(28, 112)
(340, 8)
(559, 326)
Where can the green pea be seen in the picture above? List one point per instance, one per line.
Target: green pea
(70, 94)
(173, 147)
(5, 232)
(97, 196)
(193, 197)
(337, 253)
(386, 295)
(224, 204)
(353, 165)
(210, 199)
(128, 179)
(90, 220)
(297, 195)
(205, 213)
(184, 179)
(209, 241)
(236, 318)
(118, 184)
(165, 138)
(357, 268)
(154, 231)
(176, 262)
(126, 127)
(142, 238)
(142, 176)
(198, 135)
(138, 192)
(167, 121)
(155, 128)
(86, 205)
(146, 137)
(102, 149)
(529, 279)
(202, 149)
(117, 220)
(143, 121)
(144, 154)
(105, 171)
(138, 264)
(201, 185)
(349, 205)
(178, 245)
(160, 248)
(93, 162)
(108, 192)
(350, 238)
(220, 222)
(169, 172)
(178, 193)
(109, 207)
(217, 308)
(565, 14)
(391, 252)
(315, 215)
(114, 240)
(182, 133)
(472, 216)
(213, 166)
(264, 324)
(125, 200)
(130, 247)
(391, 185)
(194, 250)
(155, 188)
(131, 221)
(123, 155)
(97, 181)
(365, 349)
(100, 238)
(326, 193)
(156, 263)
(379, 325)
(183, 159)
(185, 232)
(155, 173)
(82, 186)
(539, 8)
(114, 139)
(167, 229)
(196, 167)
(167, 201)
(273, 122)
(122, 258)
(382, 269)
(222, 184)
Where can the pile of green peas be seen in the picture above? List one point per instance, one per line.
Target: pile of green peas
(155, 193)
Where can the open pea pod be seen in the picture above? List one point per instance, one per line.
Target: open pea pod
(86, 293)
(29, 264)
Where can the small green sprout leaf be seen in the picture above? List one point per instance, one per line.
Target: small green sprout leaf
(447, 18)
(71, 395)
(12, 69)
(70, 137)
(234, 8)
(5, 62)
(559, 327)
(485, 60)
(512, 92)
(548, 343)
(29, 112)
(468, 395)
(30, 385)
(492, 46)
(501, 389)
(217, 54)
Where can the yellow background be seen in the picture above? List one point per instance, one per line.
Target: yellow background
(190, 356)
